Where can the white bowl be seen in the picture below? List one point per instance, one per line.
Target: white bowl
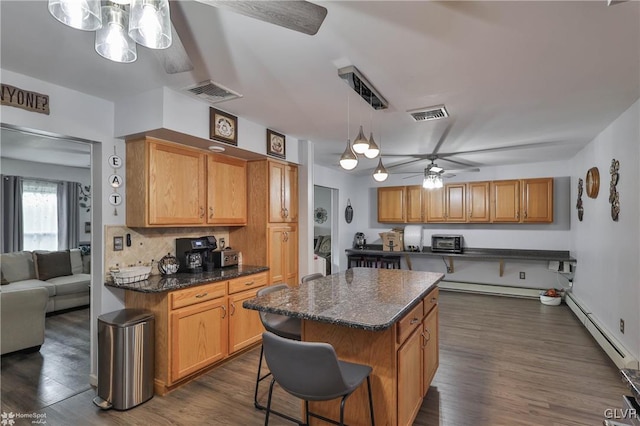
(548, 300)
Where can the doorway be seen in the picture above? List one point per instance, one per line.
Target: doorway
(325, 229)
(61, 368)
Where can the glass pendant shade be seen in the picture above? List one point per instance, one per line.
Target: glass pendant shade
(79, 14)
(380, 174)
(373, 150)
(361, 144)
(150, 23)
(432, 181)
(112, 40)
(349, 159)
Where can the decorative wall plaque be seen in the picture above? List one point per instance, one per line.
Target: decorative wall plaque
(614, 196)
(579, 203)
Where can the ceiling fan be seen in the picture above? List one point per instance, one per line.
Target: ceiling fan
(296, 15)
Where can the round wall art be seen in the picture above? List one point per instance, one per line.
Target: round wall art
(320, 215)
(593, 182)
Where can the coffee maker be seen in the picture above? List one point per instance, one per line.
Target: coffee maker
(208, 259)
(359, 241)
(191, 254)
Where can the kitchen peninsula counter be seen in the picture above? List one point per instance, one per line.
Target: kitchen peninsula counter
(384, 318)
(165, 283)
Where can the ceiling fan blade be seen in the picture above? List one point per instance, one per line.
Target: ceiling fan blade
(174, 59)
(297, 15)
(415, 160)
(460, 163)
(471, 170)
(413, 175)
(501, 148)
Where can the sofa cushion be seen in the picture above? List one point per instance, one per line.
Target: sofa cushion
(26, 284)
(52, 264)
(76, 283)
(17, 266)
(76, 261)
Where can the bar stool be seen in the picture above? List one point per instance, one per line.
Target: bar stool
(280, 325)
(311, 277)
(312, 371)
(390, 262)
(355, 260)
(371, 261)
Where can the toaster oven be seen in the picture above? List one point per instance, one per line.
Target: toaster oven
(446, 243)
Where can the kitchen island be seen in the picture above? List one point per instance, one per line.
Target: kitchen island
(384, 318)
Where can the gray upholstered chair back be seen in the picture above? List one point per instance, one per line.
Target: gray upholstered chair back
(281, 325)
(308, 370)
(311, 277)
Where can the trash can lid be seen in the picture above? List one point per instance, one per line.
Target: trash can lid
(125, 317)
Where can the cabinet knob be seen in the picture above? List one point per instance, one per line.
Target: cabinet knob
(233, 309)
(224, 311)
(282, 213)
(286, 212)
(434, 299)
(210, 212)
(201, 212)
(201, 295)
(525, 214)
(428, 337)
(413, 321)
(248, 283)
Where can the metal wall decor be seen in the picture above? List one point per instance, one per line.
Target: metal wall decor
(115, 180)
(320, 215)
(614, 196)
(348, 212)
(579, 203)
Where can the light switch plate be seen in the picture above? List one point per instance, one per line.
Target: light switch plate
(118, 243)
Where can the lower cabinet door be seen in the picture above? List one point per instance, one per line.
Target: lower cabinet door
(430, 350)
(409, 378)
(245, 326)
(198, 336)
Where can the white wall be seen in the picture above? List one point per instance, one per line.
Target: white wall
(607, 280)
(32, 169)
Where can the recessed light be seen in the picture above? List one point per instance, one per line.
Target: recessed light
(216, 148)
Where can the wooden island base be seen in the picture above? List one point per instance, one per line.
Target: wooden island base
(404, 358)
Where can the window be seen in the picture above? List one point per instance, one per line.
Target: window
(40, 215)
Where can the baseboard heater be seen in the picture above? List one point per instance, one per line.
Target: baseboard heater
(620, 356)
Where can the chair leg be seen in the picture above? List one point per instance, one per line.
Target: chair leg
(259, 379)
(344, 398)
(266, 417)
(306, 413)
(370, 400)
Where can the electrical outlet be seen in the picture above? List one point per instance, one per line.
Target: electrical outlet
(621, 326)
(522, 275)
(222, 243)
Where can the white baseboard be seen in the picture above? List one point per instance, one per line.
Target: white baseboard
(620, 356)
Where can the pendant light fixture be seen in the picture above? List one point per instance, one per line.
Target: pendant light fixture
(150, 24)
(112, 40)
(348, 159)
(380, 174)
(79, 14)
(360, 144)
(372, 150)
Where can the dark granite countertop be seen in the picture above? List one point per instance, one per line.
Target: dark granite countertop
(366, 298)
(163, 283)
(632, 379)
(470, 252)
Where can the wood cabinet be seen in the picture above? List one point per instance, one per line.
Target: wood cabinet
(409, 378)
(414, 203)
(391, 204)
(430, 351)
(537, 200)
(283, 254)
(271, 235)
(169, 184)
(283, 192)
(446, 204)
(199, 326)
(478, 202)
(226, 190)
(522, 201)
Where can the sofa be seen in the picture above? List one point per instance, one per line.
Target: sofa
(36, 283)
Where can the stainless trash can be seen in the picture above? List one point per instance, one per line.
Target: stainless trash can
(125, 359)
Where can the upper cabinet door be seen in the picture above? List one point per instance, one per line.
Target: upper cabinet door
(435, 207)
(391, 204)
(291, 193)
(537, 200)
(283, 192)
(414, 204)
(505, 201)
(478, 201)
(456, 202)
(176, 185)
(227, 190)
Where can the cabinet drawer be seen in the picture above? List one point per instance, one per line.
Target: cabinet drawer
(430, 301)
(197, 294)
(409, 322)
(245, 283)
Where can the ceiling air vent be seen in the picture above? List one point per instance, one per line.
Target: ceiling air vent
(429, 113)
(212, 92)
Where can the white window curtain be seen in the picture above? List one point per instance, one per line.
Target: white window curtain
(40, 215)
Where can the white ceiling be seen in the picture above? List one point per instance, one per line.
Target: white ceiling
(510, 73)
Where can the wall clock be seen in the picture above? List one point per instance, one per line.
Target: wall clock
(593, 182)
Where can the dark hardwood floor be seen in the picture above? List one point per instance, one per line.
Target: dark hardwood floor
(503, 361)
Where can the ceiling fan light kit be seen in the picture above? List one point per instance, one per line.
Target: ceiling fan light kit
(112, 41)
(79, 14)
(116, 34)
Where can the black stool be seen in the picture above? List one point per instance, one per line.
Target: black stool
(371, 261)
(355, 260)
(390, 262)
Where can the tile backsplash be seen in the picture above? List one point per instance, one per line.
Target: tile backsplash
(150, 244)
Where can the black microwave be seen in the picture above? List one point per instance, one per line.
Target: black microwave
(446, 243)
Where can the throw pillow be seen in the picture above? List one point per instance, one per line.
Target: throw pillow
(17, 266)
(53, 264)
(76, 261)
